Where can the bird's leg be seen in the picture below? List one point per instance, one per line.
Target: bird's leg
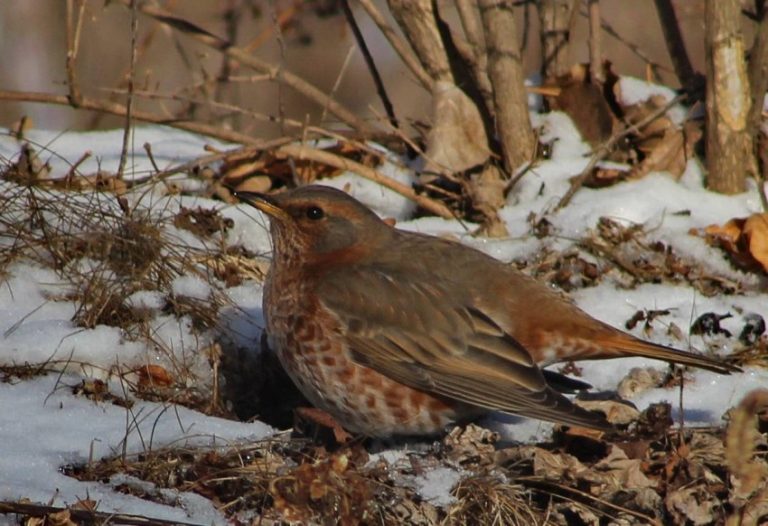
(322, 419)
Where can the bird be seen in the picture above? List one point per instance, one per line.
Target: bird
(400, 333)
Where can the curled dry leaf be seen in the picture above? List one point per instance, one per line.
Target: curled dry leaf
(457, 140)
(662, 145)
(748, 473)
(744, 239)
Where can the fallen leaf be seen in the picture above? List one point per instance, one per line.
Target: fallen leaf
(744, 238)
(457, 140)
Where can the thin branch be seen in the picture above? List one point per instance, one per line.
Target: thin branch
(372, 69)
(114, 108)
(595, 43)
(606, 148)
(73, 46)
(398, 44)
(279, 74)
(129, 101)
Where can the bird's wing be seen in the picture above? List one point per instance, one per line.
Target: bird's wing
(430, 337)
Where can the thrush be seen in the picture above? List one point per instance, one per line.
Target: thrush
(398, 333)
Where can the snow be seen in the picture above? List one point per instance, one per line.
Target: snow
(48, 428)
(435, 485)
(44, 426)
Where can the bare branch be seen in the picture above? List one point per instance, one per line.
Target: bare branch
(595, 43)
(398, 44)
(279, 74)
(417, 20)
(74, 29)
(686, 75)
(129, 101)
(120, 110)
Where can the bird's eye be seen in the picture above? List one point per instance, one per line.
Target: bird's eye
(315, 213)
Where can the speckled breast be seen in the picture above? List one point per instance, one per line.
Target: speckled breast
(310, 343)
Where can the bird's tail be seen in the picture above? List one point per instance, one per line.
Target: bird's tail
(629, 345)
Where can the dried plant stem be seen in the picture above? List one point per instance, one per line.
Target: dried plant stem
(74, 29)
(129, 100)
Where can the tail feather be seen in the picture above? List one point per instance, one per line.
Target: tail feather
(637, 347)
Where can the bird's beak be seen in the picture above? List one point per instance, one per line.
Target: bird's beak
(263, 202)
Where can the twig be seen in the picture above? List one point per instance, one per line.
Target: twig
(118, 109)
(595, 48)
(278, 74)
(73, 46)
(141, 49)
(337, 83)
(565, 492)
(605, 148)
(301, 151)
(129, 100)
(634, 48)
(148, 149)
(372, 69)
(398, 44)
(77, 164)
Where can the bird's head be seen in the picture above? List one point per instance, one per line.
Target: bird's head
(318, 223)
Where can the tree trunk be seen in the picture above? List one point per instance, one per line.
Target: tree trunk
(730, 156)
(513, 124)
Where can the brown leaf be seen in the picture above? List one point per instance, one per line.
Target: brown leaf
(457, 140)
(745, 240)
(154, 376)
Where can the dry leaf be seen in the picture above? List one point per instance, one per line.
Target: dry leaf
(745, 239)
(615, 412)
(154, 376)
(457, 140)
